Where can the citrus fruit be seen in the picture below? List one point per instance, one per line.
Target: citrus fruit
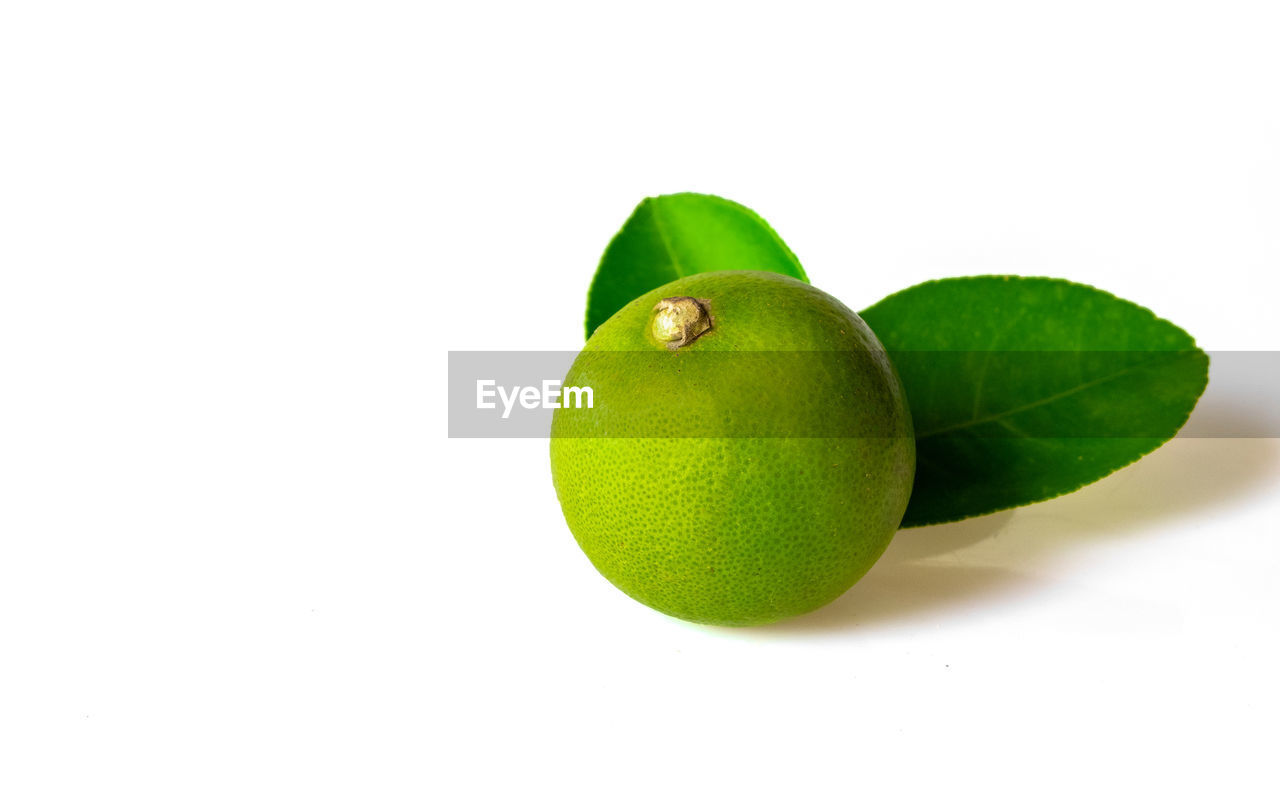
(747, 453)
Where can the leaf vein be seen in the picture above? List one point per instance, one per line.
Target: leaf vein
(666, 241)
(1037, 403)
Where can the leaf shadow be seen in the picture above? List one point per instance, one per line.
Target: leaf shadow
(926, 573)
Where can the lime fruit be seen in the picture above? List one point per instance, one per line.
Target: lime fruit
(747, 454)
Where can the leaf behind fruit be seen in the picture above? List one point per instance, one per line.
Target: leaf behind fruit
(1023, 389)
(677, 235)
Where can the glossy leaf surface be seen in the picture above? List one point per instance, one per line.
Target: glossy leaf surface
(1023, 389)
(677, 235)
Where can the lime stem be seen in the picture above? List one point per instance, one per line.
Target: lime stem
(680, 320)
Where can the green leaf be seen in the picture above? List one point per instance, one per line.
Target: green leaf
(676, 235)
(1024, 389)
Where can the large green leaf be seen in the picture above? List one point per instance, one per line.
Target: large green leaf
(1024, 389)
(676, 235)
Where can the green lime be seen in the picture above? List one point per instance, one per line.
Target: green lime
(747, 454)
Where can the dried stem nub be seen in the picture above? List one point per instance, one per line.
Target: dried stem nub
(680, 320)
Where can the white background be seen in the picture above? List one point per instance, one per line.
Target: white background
(237, 238)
